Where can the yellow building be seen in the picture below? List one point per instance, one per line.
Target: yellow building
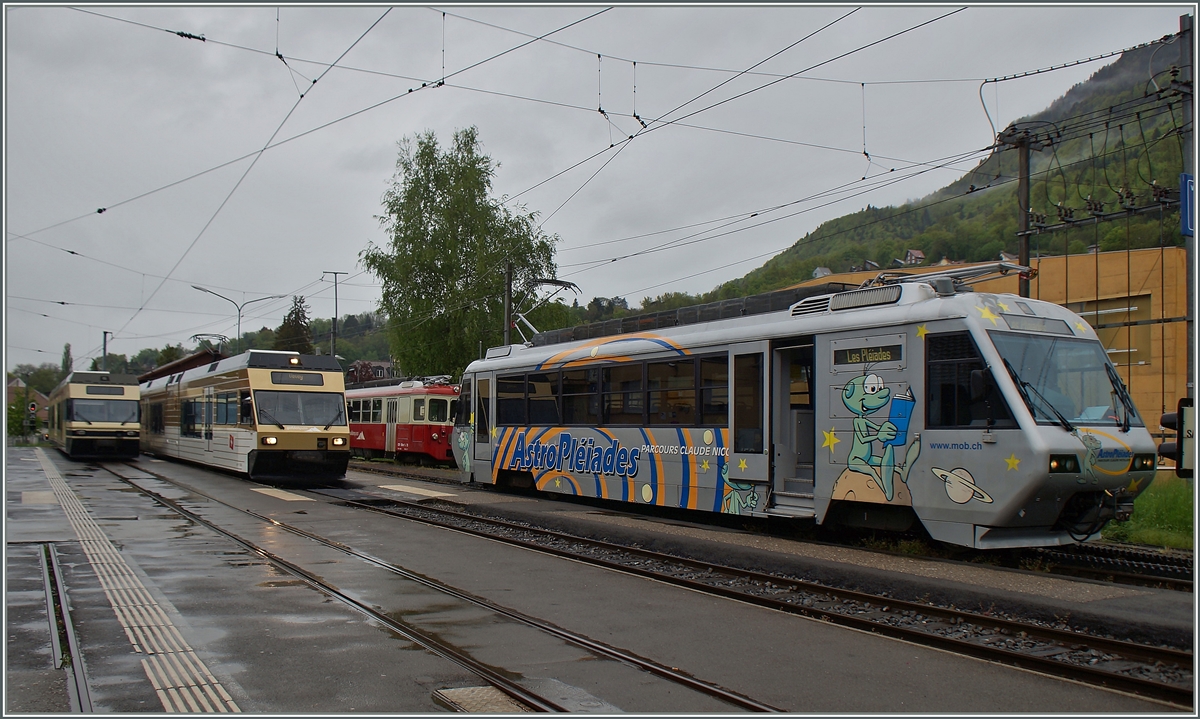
(1136, 301)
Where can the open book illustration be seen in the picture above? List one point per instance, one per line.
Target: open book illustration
(900, 412)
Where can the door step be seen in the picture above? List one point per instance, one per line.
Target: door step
(788, 510)
(796, 495)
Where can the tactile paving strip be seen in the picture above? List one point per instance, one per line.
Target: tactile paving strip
(183, 683)
(479, 700)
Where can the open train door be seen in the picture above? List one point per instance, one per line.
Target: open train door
(793, 427)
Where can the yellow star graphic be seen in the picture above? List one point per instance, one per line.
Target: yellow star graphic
(921, 332)
(742, 464)
(1012, 462)
(1133, 486)
(557, 482)
(704, 466)
(1002, 306)
(830, 439)
(494, 431)
(986, 313)
(1081, 327)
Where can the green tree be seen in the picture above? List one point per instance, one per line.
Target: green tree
(443, 270)
(169, 354)
(16, 418)
(295, 334)
(67, 362)
(44, 377)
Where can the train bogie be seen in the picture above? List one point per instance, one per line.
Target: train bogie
(992, 420)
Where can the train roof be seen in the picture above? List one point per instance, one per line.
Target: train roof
(401, 387)
(96, 378)
(255, 359)
(887, 301)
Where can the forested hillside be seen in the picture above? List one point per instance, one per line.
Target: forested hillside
(1112, 140)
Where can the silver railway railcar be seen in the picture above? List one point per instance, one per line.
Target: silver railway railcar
(991, 419)
(265, 414)
(94, 415)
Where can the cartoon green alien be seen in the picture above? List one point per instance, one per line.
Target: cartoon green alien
(464, 443)
(734, 502)
(865, 395)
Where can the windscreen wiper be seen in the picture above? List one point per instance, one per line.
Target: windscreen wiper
(335, 418)
(1025, 388)
(1122, 394)
(270, 417)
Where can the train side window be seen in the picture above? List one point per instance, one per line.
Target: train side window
(579, 403)
(543, 399)
(949, 360)
(671, 392)
(157, 426)
(454, 405)
(354, 410)
(510, 400)
(377, 410)
(748, 407)
(714, 390)
(438, 410)
(482, 429)
(623, 399)
(187, 418)
(391, 411)
(246, 410)
(418, 410)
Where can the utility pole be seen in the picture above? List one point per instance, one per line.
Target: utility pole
(104, 352)
(507, 302)
(1185, 87)
(333, 332)
(1024, 143)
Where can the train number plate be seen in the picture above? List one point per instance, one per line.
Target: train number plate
(307, 455)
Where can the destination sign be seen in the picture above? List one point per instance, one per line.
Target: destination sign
(306, 378)
(868, 355)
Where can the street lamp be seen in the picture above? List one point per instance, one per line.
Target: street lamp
(238, 340)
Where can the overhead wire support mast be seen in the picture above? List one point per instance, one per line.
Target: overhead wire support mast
(1024, 142)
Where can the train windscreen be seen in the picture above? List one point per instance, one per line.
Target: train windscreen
(1066, 378)
(314, 409)
(103, 410)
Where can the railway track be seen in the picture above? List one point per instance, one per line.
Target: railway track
(1126, 563)
(1122, 564)
(526, 698)
(1161, 673)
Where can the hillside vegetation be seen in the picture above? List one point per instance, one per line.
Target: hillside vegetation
(1113, 140)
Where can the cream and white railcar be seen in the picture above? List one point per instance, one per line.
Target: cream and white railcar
(262, 413)
(94, 415)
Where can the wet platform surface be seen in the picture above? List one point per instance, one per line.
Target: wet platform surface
(274, 644)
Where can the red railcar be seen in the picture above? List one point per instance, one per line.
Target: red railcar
(410, 420)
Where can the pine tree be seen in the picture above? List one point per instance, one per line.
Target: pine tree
(295, 334)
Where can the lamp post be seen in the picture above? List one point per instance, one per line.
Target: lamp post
(238, 339)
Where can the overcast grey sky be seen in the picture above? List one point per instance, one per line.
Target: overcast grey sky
(107, 107)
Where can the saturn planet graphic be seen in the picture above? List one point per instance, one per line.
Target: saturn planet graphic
(960, 486)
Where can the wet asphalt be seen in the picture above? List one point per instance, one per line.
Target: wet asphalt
(271, 643)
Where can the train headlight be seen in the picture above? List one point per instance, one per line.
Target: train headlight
(1064, 464)
(1142, 462)
(339, 441)
(433, 436)
(81, 433)
(270, 441)
(130, 433)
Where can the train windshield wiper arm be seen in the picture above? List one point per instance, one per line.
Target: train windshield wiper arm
(1119, 390)
(1025, 388)
(270, 417)
(335, 418)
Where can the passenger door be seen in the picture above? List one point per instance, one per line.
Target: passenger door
(483, 426)
(749, 421)
(389, 440)
(793, 423)
(208, 419)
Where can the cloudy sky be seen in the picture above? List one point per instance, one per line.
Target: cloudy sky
(220, 163)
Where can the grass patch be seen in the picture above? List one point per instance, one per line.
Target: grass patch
(1162, 515)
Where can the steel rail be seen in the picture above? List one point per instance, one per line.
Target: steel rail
(1083, 673)
(577, 639)
(77, 685)
(509, 687)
